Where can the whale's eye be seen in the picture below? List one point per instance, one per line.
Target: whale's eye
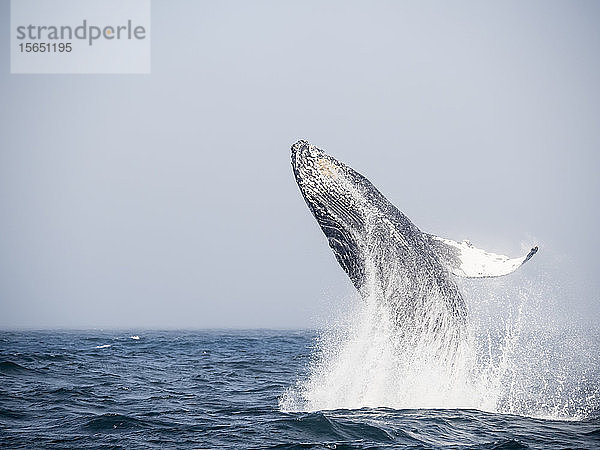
(325, 167)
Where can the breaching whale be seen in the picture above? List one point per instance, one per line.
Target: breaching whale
(386, 255)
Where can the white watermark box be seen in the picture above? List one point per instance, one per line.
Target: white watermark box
(80, 36)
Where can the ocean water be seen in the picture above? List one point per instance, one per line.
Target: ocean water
(260, 389)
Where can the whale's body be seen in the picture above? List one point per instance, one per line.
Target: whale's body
(385, 254)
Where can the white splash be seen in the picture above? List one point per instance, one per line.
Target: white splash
(365, 365)
(501, 365)
(135, 338)
(103, 346)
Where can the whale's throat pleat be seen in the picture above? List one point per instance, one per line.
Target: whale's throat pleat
(344, 246)
(340, 209)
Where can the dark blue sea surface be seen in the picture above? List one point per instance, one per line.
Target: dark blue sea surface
(217, 389)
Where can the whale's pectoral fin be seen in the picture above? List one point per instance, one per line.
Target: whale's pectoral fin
(465, 260)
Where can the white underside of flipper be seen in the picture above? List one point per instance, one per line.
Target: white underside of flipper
(465, 260)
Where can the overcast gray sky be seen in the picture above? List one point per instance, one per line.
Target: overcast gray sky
(167, 200)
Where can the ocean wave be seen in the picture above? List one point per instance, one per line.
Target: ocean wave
(52, 357)
(9, 367)
(158, 393)
(70, 392)
(321, 427)
(12, 414)
(114, 421)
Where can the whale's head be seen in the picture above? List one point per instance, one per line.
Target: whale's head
(333, 191)
(338, 197)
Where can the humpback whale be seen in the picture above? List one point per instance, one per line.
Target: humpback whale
(385, 254)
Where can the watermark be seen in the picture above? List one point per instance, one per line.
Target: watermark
(80, 36)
